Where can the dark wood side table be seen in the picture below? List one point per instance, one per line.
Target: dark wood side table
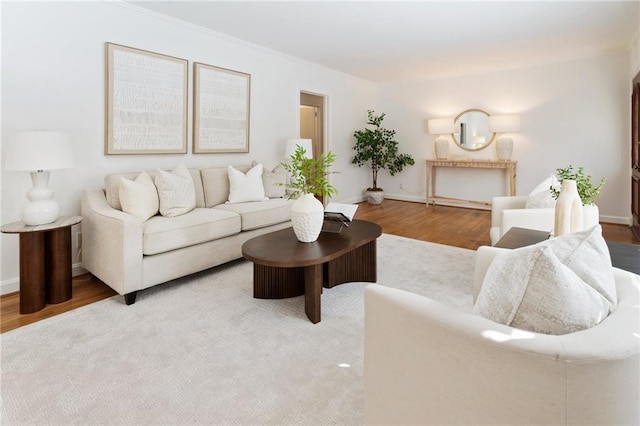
(623, 256)
(45, 262)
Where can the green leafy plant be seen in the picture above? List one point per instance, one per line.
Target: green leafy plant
(377, 149)
(310, 175)
(586, 189)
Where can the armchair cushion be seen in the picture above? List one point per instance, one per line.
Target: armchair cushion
(556, 287)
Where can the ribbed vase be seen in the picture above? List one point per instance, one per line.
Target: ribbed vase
(568, 213)
(307, 216)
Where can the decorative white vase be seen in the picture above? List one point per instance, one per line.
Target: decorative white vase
(442, 148)
(307, 216)
(375, 197)
(568, 211)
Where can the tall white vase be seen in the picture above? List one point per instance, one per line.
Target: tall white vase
(568, 213)
(307, 216)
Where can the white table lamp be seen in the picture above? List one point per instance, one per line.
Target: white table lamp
(504, 124)
(39, 152)
(441, 126)
(292, 145)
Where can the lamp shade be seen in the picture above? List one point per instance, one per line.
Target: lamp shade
(292, 144)
(440, 126)
(38, 150)
(504, 123)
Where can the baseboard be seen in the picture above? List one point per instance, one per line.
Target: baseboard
(12, 285)
(618, 220)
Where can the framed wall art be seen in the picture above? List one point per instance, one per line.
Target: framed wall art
(221, 102)
(146, 102)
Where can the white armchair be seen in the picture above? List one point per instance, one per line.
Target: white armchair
(429, 363)
(507, 212)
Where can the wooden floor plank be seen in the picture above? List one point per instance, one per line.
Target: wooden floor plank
(455, 226)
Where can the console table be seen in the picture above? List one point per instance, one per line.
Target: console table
(509, 167)
(45, 262)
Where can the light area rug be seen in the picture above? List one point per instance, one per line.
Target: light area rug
(202, 350)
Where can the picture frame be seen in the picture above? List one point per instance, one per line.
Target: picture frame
(221, 110)
(146, 102)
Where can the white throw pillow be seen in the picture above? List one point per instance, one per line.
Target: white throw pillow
(558, 286)
(586, 253)
(246, 187)
(273, 181)
(176, 191)
(531, 289)
(540, 197)
(139, 197)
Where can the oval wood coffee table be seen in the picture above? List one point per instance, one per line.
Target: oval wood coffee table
(284, 267)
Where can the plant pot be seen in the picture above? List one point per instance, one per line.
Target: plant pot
(375, 197)
(307, 216)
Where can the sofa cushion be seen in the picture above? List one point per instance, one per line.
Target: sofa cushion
(558, 286)
(215, 184)
(540, 197)
(112, 186)
(162, 234)
(260, 213)
(273, 180)
(176, 191)
(139, 197)
(244, 187)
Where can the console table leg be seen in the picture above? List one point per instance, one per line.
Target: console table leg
(58, 265)
(312, 292)
(32, 272)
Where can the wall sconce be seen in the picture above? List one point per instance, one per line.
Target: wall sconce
(441, 126)
(504, 124)
(39, 152)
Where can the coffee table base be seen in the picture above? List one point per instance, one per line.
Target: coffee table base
(271, 282)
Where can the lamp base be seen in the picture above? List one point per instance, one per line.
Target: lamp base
(40, 212)
(40, 209)
(442, 148)
(504, 148)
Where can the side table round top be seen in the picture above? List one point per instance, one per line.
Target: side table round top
(19, 227)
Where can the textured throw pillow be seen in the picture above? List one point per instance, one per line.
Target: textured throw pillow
(176, 191)
(531, 289)
(273, 181)
(586, 253)
(139, 197)
(540, 197)
(246, 187)
(558, 286)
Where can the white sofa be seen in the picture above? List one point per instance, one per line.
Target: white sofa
(510, 211)
(130, 254)
(429, 363)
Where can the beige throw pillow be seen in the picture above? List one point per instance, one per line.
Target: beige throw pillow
(540, 197)
(246, 187)
(139, 197)
(176, 191)
(558, 286)
(273, 181)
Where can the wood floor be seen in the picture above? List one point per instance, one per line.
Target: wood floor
(453, 226)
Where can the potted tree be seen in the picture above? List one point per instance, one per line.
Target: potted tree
(308, 179)
(377, 149)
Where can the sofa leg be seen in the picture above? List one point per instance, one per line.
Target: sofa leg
(130, 298)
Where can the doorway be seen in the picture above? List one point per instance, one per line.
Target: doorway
(312, 121)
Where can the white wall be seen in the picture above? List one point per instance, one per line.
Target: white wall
(575, 112)
(53, 72)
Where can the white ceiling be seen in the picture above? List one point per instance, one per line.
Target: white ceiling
(395, 40)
